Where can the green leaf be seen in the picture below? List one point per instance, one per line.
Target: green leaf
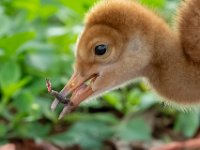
(81, 7)
(5, 24)
(154, 3)
(47, 11)
(10, 73)
(114, 99)
(102, 117)
(89, 135)
(32, 7)
(13, 88)
(43, 63)
(148, 99)
(11, 43)
(3, 130)
(38, 86)
(23, 101)
(43, 105)
(134, 130)
(33, 130)
(134, 97)
(187, 123)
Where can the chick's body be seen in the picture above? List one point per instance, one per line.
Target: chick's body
(148, 47)
(123, 40)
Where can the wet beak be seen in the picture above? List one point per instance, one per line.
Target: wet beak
(79, 88)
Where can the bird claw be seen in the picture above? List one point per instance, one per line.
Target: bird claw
(60, 97)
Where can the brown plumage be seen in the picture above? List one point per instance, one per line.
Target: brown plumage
(138, 43)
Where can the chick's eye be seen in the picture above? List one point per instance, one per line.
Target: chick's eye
(100, 49)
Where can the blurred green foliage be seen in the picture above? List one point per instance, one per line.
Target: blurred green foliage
(37, 39)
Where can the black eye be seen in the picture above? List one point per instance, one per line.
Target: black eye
(100, 49)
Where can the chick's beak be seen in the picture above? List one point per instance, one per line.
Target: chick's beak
(79, 88)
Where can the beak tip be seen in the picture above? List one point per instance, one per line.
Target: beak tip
(54, 105)
(67, 109)
(60, 117)
(62, 114)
